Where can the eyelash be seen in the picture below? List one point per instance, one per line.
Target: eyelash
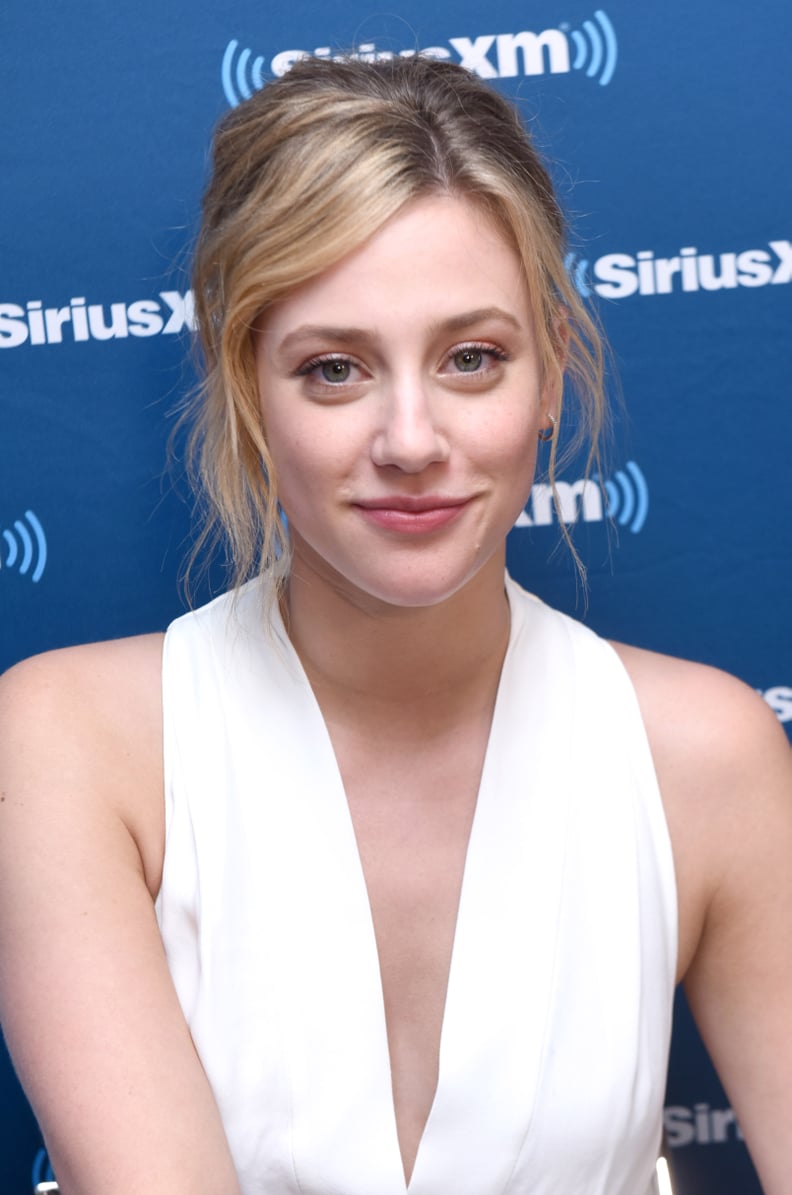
(323, 359)
(478, 346)
(485, 348)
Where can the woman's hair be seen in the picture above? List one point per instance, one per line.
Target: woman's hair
(303, 173)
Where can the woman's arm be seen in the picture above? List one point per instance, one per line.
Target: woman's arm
(88, 1008)
(739, 983)
(725, 771)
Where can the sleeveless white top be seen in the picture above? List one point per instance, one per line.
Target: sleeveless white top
(557, 1021)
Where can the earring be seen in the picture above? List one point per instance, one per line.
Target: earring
(546, 433)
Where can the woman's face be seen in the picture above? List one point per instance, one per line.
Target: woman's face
(402, 395)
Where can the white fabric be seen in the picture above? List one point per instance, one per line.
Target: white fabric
(555, 1037)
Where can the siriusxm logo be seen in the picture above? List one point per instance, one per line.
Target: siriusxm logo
(700, 1125)
(779, 698)
(620, 275)
(24, 545)
(36, 324)
(592, 48)
(623, 498)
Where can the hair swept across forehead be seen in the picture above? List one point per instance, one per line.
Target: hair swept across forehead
(304, 172)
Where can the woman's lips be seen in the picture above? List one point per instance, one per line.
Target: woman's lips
(412, 515)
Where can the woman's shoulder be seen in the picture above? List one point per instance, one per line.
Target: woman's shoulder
(698, 715)
(88, 658)
(724, 770)
(110, 687)
(83, 725)
(717, 746)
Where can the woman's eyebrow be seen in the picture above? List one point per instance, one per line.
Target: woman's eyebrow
(479, 315)
(343, 335)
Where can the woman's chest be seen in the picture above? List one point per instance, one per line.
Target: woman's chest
(412, 811)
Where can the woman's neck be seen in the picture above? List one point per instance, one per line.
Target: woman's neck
(367, 651)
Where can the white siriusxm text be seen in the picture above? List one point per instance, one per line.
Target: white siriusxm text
(620, 275)
(700, 1125)
(581, 499)
(489, 55)
(78, 320)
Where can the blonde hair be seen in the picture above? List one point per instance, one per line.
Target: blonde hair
(303, 173)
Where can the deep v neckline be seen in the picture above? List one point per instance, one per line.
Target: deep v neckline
(357, 1033)
(341, 799)
(357, 877)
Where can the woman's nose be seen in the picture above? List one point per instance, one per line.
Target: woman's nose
(409, 436)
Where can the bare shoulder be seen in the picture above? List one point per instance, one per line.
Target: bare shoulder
(695, 708)
(85, 724)
(715, 742)
(725, 773)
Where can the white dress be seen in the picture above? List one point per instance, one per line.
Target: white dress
(557, 1022)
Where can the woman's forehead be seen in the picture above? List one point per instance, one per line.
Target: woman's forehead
(439, 253)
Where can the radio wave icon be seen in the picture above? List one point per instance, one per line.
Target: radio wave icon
(42, 1176)
(240, 76)
(596, 48)
(25, 546)
(578, 272)
(628, 497)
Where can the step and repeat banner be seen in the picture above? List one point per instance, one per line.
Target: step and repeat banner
(668, 128)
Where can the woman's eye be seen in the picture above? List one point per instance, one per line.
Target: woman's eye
(475, 359)
(335, 371)
(330, 371)
(468, 360)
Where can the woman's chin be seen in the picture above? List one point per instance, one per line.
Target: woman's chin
(420, 587)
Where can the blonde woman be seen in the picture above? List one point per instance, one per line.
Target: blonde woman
(405, 904)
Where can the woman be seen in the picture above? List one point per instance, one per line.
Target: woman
(402, 799)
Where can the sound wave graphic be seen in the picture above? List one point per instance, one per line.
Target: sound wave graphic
(24, 549)
(628, 497)
(240, 76)
(42, 1176)
(596, 48)
(578, 272)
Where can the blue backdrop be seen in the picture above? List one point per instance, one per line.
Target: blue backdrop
(668, 125)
